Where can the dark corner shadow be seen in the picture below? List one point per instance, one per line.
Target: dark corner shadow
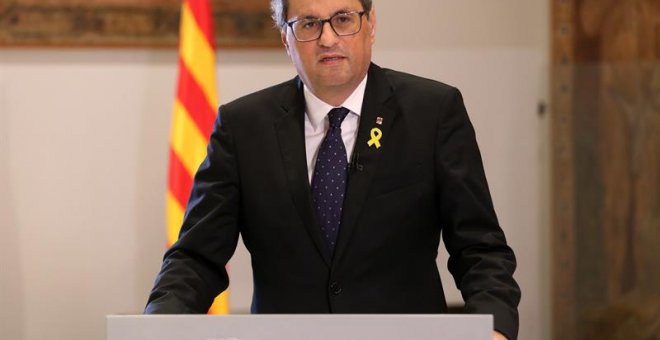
(12, 298)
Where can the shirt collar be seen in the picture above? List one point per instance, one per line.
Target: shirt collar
(317, 109)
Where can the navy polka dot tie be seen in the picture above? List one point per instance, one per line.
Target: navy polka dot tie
(329, 179)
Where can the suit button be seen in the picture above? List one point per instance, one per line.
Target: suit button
(335, 288)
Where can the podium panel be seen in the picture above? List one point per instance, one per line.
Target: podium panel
(300, 327)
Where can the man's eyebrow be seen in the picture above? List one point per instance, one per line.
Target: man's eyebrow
(344, 10)
(309, 16)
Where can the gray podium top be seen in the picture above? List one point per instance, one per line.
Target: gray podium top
(300, 327)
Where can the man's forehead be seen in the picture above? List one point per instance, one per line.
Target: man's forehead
(321, 8)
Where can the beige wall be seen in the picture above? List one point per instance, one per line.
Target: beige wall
(83, 154)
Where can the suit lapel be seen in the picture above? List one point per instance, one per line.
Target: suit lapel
(375, 115)
(291, 137)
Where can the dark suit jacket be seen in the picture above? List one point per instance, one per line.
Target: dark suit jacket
(426, 178)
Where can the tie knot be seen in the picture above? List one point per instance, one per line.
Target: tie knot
(336, 116)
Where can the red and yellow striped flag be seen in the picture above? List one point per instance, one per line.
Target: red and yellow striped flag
(193, 116)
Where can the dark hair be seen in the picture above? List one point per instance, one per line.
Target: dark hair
(279, 8)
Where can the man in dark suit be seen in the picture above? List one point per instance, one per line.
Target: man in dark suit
(340, 182)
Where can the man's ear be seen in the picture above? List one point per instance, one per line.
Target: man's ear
(372, 23)
(284, 42)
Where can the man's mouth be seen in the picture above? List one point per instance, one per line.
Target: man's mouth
(330, 59)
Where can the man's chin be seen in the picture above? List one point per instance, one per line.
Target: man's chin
(334, 80)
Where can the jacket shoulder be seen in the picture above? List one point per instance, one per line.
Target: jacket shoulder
(409, 84)
(412, 90)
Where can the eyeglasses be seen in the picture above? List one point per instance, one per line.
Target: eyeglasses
(308, 29)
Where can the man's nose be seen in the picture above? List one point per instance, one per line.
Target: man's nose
(328, 35)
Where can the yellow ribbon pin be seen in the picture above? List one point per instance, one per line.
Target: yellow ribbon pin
(376, 135)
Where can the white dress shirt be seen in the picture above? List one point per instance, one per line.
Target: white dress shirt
(316, 123)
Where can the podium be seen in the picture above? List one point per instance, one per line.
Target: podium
(300, 327)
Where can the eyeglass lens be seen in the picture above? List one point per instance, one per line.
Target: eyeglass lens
(342, 24)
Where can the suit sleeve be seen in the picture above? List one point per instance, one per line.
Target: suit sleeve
(193, 271)
(480, 260)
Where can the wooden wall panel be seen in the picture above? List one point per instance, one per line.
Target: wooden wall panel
(606, 169)
(127, 23)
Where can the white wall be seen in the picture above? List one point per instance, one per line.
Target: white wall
(83, 157)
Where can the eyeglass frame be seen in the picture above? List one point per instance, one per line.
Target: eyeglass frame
(323, 21)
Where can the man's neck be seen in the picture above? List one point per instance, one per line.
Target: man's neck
(334, 97)
(352, 101)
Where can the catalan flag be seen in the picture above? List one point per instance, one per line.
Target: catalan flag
(193, 116)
